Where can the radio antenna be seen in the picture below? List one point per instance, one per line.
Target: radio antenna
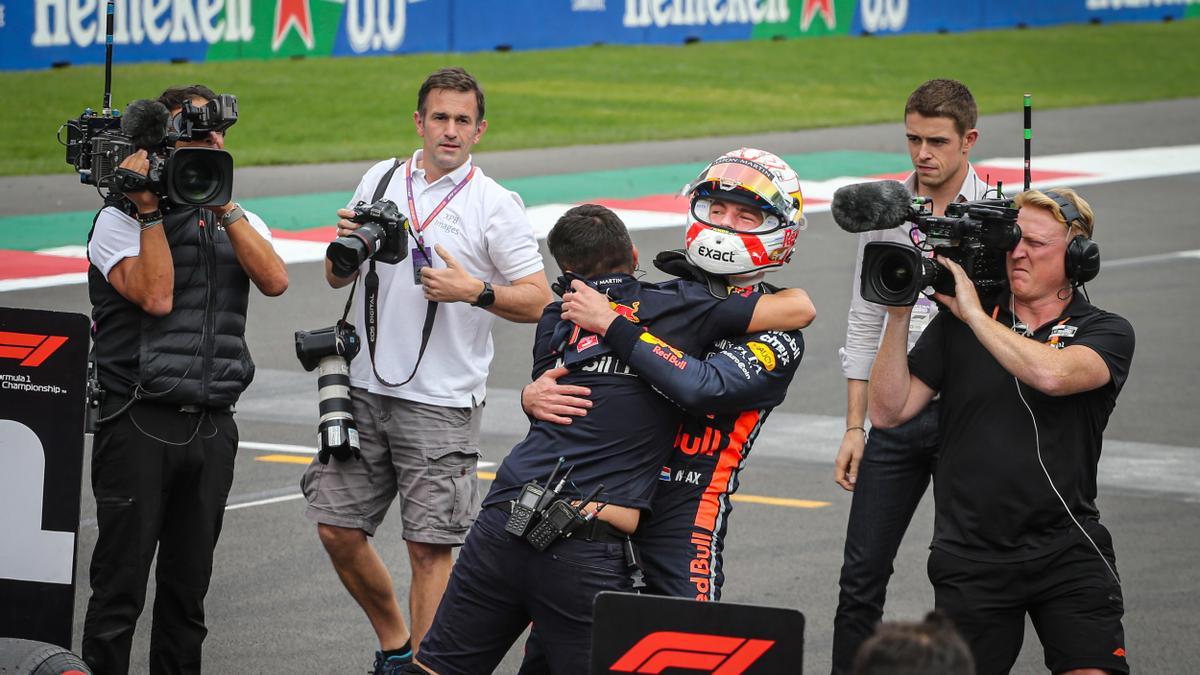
(108, 51)
(1028, 135)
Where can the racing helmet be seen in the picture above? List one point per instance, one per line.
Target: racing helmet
(753, 178)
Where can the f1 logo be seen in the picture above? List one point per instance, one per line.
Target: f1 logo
(30, 349)
(714, 654)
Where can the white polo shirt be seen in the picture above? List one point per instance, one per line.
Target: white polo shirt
(866, 320)
(485, 228)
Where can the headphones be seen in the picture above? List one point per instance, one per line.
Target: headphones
(1083, 254)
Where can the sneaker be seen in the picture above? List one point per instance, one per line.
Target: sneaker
(390, 666)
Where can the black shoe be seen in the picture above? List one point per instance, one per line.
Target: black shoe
(390, 666)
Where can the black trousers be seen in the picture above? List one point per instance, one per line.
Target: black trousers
(895, 471)
(160, 477)
(500, 584)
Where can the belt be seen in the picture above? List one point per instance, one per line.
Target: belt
(600, 531)
(192, 409)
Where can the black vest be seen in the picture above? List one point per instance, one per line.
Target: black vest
(195, 355)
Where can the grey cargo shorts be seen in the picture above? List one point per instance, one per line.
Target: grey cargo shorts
(424, 454)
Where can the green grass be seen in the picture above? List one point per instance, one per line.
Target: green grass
(337, 109)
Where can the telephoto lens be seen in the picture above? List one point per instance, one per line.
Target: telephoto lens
(330, 350)
(337, 433)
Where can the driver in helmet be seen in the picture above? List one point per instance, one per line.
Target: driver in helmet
(745, 214)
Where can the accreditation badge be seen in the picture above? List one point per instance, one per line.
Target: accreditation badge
(922, 313)
(421, 258)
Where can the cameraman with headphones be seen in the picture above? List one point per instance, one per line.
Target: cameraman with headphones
(1026, 387)
(169, 286)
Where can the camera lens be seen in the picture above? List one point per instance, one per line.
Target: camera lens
(200, 177)
(892, 274)
(337, 434)
(895, 273)
(347, 253)
(196, 180)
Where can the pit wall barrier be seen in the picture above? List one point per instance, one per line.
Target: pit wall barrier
(37, 34)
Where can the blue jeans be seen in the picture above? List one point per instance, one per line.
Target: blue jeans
(893, 475)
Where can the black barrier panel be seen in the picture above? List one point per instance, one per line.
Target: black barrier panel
(651, 634)
(43, 368)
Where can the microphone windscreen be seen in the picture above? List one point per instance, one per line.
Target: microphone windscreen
(145, 121)
(878, 205)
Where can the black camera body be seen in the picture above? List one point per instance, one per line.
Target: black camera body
(382, 237)
(977, 235)
(330, 350)
(97, 143)
(193, 123)
(339, 340)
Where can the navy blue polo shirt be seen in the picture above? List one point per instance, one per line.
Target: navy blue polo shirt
(627, 434)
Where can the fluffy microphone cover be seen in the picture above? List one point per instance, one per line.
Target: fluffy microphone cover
(863, 207)
(145, 121)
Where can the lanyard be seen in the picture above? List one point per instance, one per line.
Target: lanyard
(1053, 337)
(417, 227)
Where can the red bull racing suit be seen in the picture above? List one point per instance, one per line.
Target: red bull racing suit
(737, 384)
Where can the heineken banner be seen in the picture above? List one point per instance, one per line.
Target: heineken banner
(44, 33)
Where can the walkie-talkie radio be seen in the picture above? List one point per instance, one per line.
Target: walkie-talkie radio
(560, 519)
(533, 497)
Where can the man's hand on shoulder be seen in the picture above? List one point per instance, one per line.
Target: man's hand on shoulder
(588, 308)
(547, 400)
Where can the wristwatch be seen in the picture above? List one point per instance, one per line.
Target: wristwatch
(232, 215)
(486, 297)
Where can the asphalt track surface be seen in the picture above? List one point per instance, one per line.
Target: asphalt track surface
(276, 605)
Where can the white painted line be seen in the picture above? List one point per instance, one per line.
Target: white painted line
(544, 216)
(43, 282)
(65, 251)
(1089, 168)
(1113, 165)
(264, 502)
(1146, 259)
(306, 450)
(278, 447)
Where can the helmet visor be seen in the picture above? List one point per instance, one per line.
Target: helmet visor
(729, 174)
(707, 210)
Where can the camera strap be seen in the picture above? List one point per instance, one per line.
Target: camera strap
(371, 309)
(371, 299)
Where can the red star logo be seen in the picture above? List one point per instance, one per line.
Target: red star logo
(292, 13)
(811, 7)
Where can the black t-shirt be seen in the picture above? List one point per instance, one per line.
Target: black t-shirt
(627, 434)
(993, 501)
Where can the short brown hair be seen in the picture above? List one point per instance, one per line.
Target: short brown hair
(1086, 224)
(454, 79)
(945, 98)
(589, 240)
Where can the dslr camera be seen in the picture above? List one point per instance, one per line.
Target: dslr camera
(330, 351)
(977, 235)
(383, 237)
(97, 143)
